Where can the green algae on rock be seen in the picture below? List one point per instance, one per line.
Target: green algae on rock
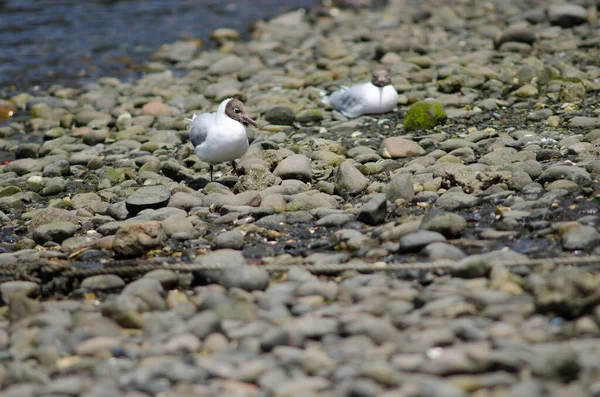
(424, 115)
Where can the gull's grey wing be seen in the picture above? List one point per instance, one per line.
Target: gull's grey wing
(346, 100)
(198, 128)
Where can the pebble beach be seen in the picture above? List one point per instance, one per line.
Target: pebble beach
(449, 248)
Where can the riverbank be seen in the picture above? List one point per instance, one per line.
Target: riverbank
(112, 186)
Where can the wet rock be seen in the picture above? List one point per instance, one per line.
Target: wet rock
(150, 197)
(136, 238)
(349, 180)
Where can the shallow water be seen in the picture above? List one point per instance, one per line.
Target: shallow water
(43, 42)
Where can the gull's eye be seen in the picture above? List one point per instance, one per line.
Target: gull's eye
(237, 110)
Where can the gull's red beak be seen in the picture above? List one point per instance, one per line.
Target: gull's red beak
(248, 120)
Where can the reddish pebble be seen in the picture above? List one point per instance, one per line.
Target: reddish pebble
(156, 109)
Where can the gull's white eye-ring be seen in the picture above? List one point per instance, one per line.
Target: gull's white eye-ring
(236, 110)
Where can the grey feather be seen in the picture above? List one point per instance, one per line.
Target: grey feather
(345, 99)
(198, 128)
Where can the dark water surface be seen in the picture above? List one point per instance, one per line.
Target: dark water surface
(43, 42)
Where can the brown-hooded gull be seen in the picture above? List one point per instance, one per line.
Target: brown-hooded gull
(221, 136)
(376, 97)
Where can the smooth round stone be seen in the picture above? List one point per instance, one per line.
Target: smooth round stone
(567, 15)
(419, 239)
(150, 197)
(167, 278)
(280, 115)
(296, 166)
(249, 278)
(103, 282)
(349, 180)
(584, 237)
(56, 231)
(447, 223)
(231, 239)
(11, 287)
(438, 251)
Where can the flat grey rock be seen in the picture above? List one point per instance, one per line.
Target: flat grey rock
(150, 197)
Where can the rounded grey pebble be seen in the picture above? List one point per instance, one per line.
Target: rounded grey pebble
(103, 282)
(417, 240)
(231, 239)
(447, 223)
(365, 388)
(438, 251)
(248, 278)
(11, 287)
(150, 197)
(280, 115)
(56, 232)
(167, 278)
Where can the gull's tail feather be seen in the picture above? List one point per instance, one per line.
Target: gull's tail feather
(324, 97)
(193, 117)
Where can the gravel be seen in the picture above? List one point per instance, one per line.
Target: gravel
(491, 156)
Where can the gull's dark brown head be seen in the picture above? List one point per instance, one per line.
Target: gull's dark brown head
(381, 78)
(236, 111)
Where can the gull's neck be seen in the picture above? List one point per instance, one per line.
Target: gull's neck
(222, 106)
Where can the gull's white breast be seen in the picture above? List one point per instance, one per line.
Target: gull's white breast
(226, 140)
